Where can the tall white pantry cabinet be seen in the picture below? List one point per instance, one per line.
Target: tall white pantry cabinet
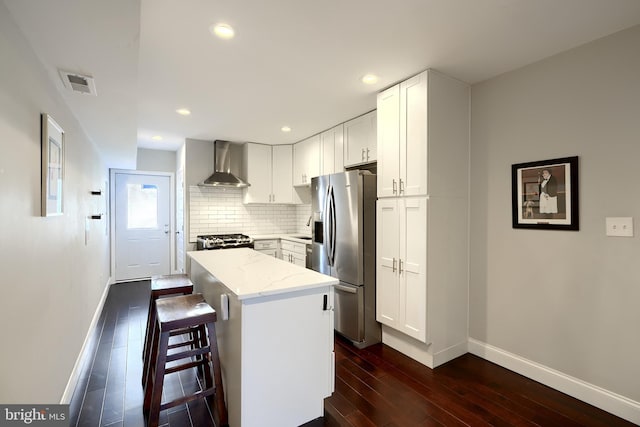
(422, 217)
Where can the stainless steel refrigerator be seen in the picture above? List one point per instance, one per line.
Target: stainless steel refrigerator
(343, 206)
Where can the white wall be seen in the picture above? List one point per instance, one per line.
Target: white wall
(567, 300)
(52, 281)
(156, 160)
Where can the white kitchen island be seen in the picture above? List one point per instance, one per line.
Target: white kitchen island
(275, 335)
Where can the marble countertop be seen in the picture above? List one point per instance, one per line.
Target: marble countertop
(295, 237)
(251, 274)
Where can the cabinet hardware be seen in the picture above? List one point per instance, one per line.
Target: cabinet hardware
(367, 154)
(393, 268)
(362, 158)
(273, 197)
(401, 186)
(400, 266)
(395, 188)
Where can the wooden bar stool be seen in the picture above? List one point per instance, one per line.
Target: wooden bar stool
(161, 286)
(177, 314)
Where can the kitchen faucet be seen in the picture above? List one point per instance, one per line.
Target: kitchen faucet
(309, 220)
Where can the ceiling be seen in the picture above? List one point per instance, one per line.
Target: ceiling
(292, 62)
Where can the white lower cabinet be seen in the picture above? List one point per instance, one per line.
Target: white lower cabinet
(267, 246)
(294, 253)
(276, 352)
(401, 294)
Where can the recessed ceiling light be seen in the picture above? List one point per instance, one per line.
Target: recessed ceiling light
(285, 129)
(369, 79)
(156, 138)
(183, 111)
(224, 31)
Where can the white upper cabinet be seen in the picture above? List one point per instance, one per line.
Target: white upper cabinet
(306, 160)
(268, 170)
(282, 173)
(360, 140)
(423, 133)
(388, 141)
(331, 146)
(402, 138)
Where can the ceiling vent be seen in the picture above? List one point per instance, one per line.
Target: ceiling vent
(78, 82)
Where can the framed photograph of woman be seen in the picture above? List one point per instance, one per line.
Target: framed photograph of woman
(545, 194)
(52, 166)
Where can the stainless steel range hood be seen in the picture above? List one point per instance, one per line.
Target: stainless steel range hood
(227, 160)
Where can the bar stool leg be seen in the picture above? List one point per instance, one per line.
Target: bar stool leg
(158, 381)
(148, 368)
(220, 406)
(151, 321)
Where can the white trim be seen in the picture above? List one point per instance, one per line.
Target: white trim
(172, 218)
(408, 346)
(75, 372)
(450, 353)
(420, 351)
(606, 400)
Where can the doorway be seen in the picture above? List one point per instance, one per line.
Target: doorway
(142, 225)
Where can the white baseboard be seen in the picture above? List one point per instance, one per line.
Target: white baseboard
(75, 373)
(419, 351)
(597, 396)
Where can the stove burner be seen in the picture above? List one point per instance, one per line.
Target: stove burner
(224, 241)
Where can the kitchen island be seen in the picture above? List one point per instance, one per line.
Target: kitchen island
(275, 335)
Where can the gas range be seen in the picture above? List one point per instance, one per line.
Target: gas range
(224, 241)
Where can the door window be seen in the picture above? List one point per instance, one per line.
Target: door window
(142, 206)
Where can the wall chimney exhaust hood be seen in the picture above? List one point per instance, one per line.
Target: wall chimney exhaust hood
(227, 160)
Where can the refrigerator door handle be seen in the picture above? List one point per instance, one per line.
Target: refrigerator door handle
(333, 227)
(325, 225)
(349, 289)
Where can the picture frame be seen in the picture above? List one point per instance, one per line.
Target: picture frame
(52, 162)
(545, 194)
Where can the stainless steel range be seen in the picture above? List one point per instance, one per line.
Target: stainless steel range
(223, 241)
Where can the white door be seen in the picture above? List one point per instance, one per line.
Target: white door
(413, 136)
(258, 158)
(282, 167)
(389, 141)
(142, 226)
(412, 269)
(180, 253)
(388, 254)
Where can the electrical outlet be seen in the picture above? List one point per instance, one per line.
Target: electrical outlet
(619, 226)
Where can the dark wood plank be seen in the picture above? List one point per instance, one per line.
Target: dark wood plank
(376, 386)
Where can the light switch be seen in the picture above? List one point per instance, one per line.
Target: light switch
(619, 226)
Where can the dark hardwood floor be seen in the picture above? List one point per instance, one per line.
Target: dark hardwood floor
(377, 386)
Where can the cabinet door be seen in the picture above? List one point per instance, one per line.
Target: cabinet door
(387, 254)
(360, 140)
(388, 141)
(258, 163)
(282, 174)
(306, 160)
(331, 146)
(412, 267)
(313, 158)
(413, 147)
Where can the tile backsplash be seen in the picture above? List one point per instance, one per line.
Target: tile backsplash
(219, 210)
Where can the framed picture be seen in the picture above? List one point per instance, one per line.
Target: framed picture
(52, 167)
(545, 194)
